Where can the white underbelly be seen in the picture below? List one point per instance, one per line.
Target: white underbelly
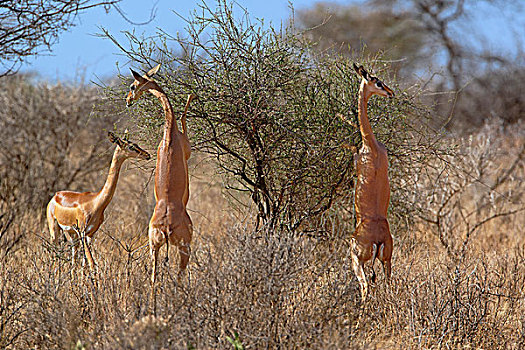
(65, 227)
(73, 228)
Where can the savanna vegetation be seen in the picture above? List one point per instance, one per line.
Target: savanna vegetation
(271, 179)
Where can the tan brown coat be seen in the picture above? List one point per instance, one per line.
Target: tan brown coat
(372, 236)
(170, 222)
(74, 213)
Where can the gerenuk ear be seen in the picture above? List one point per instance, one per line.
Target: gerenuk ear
(153, 71)
(115, 139)
(137, 76)
(356, 68)
(362, 72)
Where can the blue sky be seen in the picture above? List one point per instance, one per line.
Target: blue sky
(80, 54)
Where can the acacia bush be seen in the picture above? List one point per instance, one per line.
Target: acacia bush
(267, 112)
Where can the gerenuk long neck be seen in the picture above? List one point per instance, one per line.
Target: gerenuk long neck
(171, 125)
(364, 123)
(106, 193)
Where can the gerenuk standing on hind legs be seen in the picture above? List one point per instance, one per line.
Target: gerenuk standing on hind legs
(170, 222)
(372, 237)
